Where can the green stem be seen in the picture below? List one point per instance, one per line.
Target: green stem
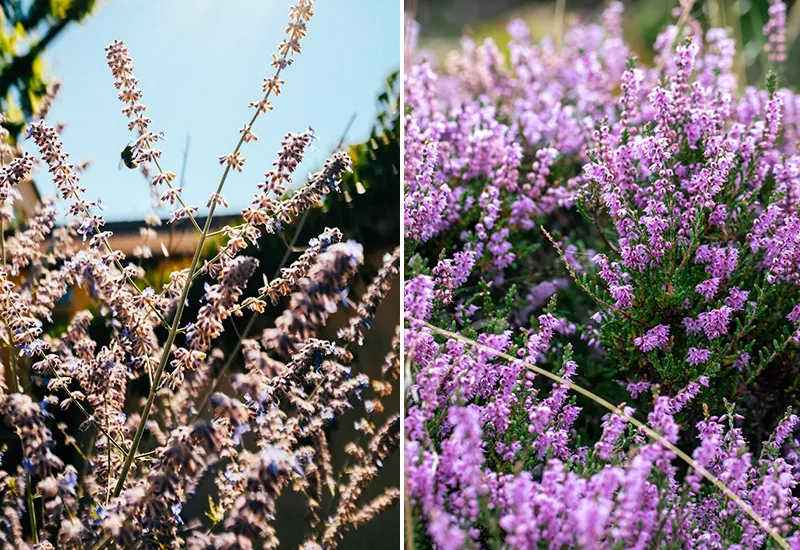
(11, 354)
(252, 321)
(164, 355)
(31, 510)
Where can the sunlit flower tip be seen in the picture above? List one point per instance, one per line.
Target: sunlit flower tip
(217, 199)
(302, 11)
(280, 63)
(262, 106)
(272, 85)
(233, 160)
(247, 134)
(289, 47)
(171, 195)
(163, 178)
(181, 213)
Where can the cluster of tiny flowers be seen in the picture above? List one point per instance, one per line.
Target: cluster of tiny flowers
(633, 229)
(143, 154)
(132, 423)
(656, 337)
(368, 306)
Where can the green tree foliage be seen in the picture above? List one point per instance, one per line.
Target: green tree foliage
(366, 210)
(26, 30)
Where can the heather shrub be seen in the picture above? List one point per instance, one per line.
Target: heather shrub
(633, 229)
(130, 473)
(667, 194)
(492, 459)
(700, 277)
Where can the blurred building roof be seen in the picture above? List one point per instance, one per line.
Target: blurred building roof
(179, 239)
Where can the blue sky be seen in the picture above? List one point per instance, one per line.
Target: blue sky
(199, 63)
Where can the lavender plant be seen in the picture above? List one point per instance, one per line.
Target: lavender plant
(129, 476)
(576, 221)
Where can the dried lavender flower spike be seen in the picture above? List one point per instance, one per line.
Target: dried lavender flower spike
(137, 407)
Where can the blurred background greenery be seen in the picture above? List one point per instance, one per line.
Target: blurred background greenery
(443, 22)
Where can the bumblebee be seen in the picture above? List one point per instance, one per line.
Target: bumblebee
(128, 158)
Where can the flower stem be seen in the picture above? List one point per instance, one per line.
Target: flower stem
(251, 323)
(31, 510)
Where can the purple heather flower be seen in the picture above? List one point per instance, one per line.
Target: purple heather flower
(736, 298)
(742, 361)
(794, 315)
(783, 431)
(775, 31)
(637, 388)
(697, 356)
(676, 160)
(450, 274)
(418, 294)
(707, 289)
(613, 427)
(714, 323)
(655, 338)
(445, 532)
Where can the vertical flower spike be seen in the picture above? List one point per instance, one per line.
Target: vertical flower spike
(209, 326)
(12, 174)
(369, 303)
(121, 65)
(775, 31)
(142, 152)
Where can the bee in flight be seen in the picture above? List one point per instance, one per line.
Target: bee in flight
(128, 157)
